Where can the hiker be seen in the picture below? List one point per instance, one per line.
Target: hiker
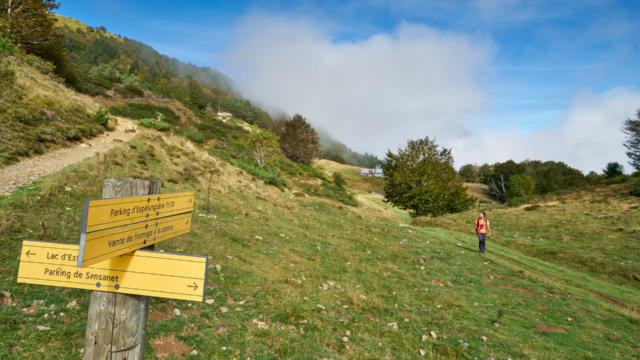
(482, 227)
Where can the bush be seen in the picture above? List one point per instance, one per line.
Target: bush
(129, 91)
(338, 180)
(194, 136)
(268, 174)
(102, 116)
(635, 188)
(7, 47)
(7, 75)
(155, 124)
(613, 170)
(139, 111)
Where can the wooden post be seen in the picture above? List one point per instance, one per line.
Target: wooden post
(116, 323)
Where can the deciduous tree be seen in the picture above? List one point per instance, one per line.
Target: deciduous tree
(421, 178)
(632, 143)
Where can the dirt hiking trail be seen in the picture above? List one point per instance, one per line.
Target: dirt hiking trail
(29, 170)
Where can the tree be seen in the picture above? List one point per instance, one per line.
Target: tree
(298, 140)
(520, 186)
(29, 25)
(421, 178)
(469, 172)
(632, 144)
(613, 170)
(264, 146)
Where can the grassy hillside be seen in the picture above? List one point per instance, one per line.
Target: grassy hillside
(300, 276)
(37, 112)
(597, 232)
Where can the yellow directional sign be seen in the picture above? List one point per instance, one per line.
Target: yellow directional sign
(100, 245)
(142, 272)
(108, 213)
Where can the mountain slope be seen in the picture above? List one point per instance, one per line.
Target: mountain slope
(38, 113)
(303, 276)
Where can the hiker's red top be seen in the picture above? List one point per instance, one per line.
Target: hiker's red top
(481, 225)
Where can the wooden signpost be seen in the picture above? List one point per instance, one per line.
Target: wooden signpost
(131, 216)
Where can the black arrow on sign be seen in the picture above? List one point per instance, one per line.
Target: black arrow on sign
(194, 286)
(29, 253)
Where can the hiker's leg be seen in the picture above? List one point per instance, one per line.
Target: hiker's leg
(482, 237)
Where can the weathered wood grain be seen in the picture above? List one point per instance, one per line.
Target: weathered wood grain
(116, 323)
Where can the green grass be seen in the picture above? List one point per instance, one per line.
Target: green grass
(281, 256)
(36, 115)
(591, 231)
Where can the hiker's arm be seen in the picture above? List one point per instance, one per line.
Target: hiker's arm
(488, 228)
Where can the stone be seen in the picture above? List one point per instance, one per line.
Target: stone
(320, 306)
(449, 285)
(194, 352)
(210, 301)
(345, 339)
(176, 312)
(495, 324)
(433, 334)
(43, 328)
(72, 304)
(393, 325)
(224, 309)
(483, 338)
(422, 352)
(465, 346)
(258, 237)
(424, 337)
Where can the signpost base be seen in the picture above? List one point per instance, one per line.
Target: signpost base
(116, 323)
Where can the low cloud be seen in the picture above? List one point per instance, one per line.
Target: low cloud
(372, 94)
(376, 93)
(587, 137)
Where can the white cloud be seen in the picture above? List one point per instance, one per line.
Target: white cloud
(588, 136)
(372, 94)
(377, 93)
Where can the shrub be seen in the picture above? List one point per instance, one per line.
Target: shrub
(7, 47)
(635, 188)
(264, 146)
(194, 136)
(7, 75)
(613, 170)
(129, 91)
(268, 174)
(338, 180)
(139, 111)
(155, 124)
(102, 116)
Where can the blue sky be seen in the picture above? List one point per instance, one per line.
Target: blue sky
(537, 60)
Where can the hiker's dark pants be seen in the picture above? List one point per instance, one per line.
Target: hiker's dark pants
(481, 239)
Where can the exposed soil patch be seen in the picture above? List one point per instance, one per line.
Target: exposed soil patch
(159, 315)
(542, 307)
(169, 346)
(615, 302)
(549, 329)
